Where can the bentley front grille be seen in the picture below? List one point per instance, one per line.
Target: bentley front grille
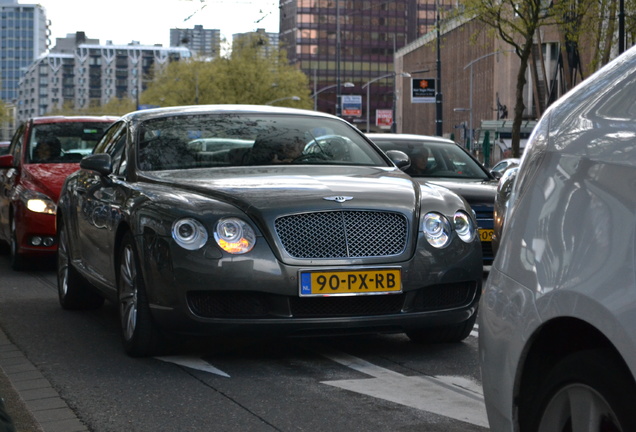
(343, 234)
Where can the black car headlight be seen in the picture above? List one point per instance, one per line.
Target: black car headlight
(437, 229)
(189, 233)
(234, 235)
(464, 226)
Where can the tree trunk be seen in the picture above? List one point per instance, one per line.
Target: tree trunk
(609, 36)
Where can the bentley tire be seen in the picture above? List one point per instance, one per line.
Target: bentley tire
(74, 292)
(140, 335)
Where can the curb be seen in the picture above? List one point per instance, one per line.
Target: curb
(30, 400)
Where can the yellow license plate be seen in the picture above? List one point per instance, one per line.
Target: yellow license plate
(486, 235)
(374, 281)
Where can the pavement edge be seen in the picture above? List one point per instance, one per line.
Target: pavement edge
(31, 401)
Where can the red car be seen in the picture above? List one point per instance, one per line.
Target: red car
(42, 153)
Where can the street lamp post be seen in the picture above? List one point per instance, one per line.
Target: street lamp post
(294, 98)
(470, 96)
(469, 136)
(317, 92)
(368, 87)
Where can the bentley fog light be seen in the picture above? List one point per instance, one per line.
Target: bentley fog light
(234, 236)
(436, 229)
(189, 234)
(464, 226)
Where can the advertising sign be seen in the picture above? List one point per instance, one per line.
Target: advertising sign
(352, 105)
(384, 118)
(423, 90)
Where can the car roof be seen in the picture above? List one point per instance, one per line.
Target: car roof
(223, 108)
(409, 137)
(71, 119)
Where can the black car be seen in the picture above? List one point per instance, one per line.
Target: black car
(502, 202)
(284, 236)
(442, 162)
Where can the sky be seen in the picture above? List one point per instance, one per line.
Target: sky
(149, 21)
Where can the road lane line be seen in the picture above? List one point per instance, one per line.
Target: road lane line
(475, 331)
(450, 396)
(193, 363)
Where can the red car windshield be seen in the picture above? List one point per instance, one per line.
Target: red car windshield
(63, 142)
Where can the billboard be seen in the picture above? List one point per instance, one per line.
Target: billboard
(423, 90)
(352, 106)
(384, 118)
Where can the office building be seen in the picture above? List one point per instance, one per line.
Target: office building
(23, 38)
(91, 75)
(337, 41)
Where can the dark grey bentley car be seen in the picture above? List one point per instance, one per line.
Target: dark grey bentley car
(211, 219)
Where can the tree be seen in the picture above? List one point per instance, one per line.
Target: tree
(4, 115)
(516, 22)
(249, 75)
(603, 35)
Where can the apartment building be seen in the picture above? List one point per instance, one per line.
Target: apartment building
(268, 41)
(90, 75)
(202, 42)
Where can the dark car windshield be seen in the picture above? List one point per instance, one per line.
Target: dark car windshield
(435, 159)
(228, 140)
(64, 142)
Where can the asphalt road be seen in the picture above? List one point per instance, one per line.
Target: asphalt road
(376, 382)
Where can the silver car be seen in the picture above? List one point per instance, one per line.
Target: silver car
(557, 324)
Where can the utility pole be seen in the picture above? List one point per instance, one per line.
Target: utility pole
(438, 87)
(338, 89)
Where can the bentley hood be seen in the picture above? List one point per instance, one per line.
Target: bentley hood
(286, 190)
(476, 192)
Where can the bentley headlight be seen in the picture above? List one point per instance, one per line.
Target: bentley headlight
(234, 235)
(38, 202)
(189, 234)
(464, 226)
(436, 229)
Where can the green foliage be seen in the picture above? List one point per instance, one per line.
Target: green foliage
(248, 75)
(4, 115)
(517, 22)
(114, 107)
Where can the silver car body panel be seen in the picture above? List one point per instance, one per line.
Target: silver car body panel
(568, 249)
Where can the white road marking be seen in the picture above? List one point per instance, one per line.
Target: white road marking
(475, 331)
(454, 397)
(193, 363)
